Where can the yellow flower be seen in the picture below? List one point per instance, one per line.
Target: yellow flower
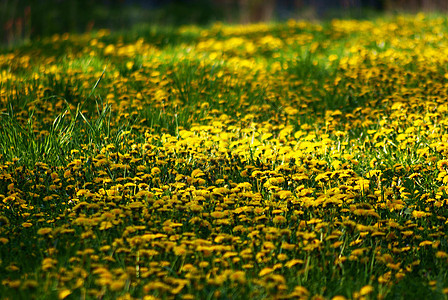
(279, 219)
(419, 214)
(282, 257)
(218, 214)
(442, 165)
(117, 285)
(239, 276)
(265, 271)
(14, 284)
(441, 254)
(197, 173)
(44, 231)
(365, 290)
(300, 291)
(338, 297)
(425, 243)
(293, 262)
(155, 171)
(64, 294)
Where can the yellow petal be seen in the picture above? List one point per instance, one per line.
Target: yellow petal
(265, 271)
(64, 293)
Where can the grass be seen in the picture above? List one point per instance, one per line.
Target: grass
(288, 160)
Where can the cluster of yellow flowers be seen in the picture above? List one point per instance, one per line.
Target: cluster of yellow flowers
(287, 161)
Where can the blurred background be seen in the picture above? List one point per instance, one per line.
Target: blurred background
(22, 20)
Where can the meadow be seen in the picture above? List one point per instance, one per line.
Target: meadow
(295, 160)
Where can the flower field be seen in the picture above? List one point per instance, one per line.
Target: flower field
(295, 160)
